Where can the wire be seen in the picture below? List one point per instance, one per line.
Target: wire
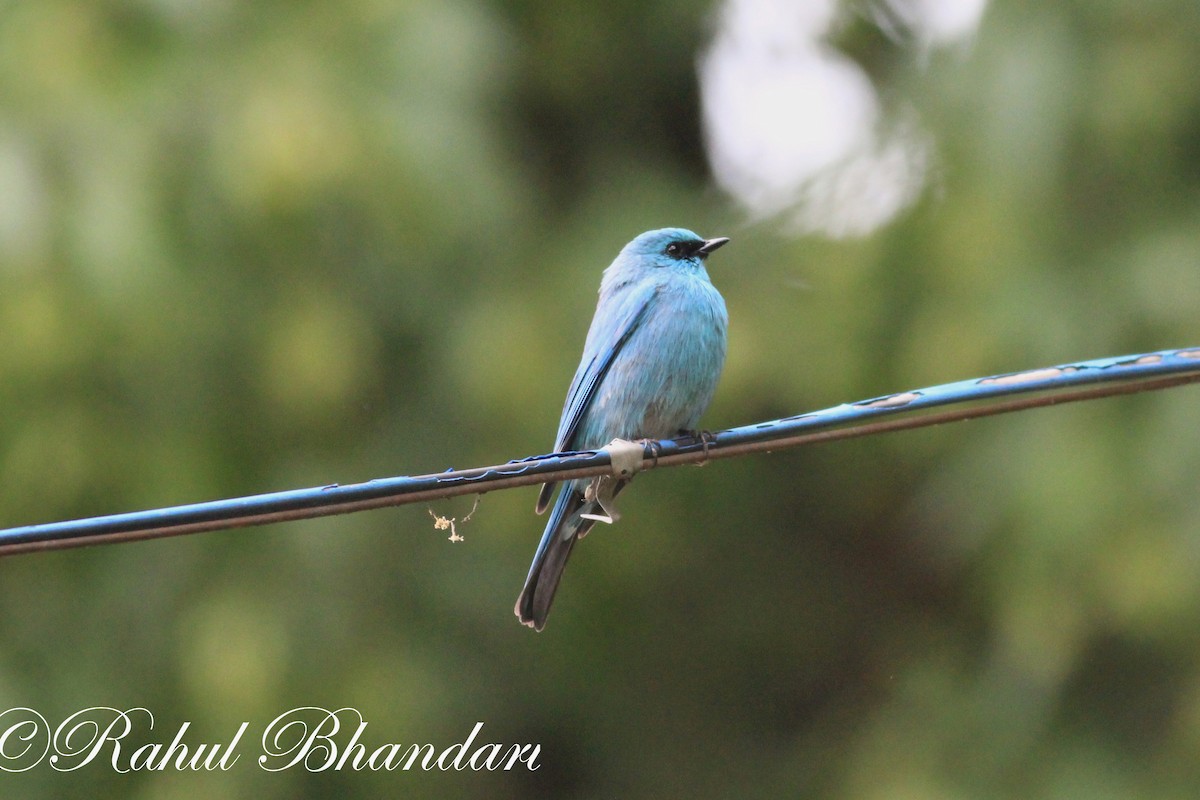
(904, 410)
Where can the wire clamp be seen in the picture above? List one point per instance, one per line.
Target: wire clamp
(625, 457)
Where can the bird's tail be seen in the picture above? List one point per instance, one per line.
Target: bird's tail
(562, 529)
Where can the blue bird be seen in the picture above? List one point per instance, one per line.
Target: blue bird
(650, 365)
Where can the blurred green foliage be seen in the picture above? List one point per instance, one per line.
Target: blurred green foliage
(256, 246)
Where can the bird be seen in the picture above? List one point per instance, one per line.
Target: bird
(650, 366)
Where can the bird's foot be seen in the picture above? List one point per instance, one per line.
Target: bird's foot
(706, 439)
(654, 450)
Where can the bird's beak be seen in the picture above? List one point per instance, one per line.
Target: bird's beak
(711, 244)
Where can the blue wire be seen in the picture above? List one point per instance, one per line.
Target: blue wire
(260, 509)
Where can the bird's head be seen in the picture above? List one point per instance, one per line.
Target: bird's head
(670, 248)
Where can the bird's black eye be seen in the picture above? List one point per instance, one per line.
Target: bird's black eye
(675, 249)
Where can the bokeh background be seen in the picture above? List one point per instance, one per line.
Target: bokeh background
(248, 247)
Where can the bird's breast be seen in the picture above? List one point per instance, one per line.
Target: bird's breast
(664, 377)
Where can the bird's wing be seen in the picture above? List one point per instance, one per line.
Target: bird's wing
(610, 331)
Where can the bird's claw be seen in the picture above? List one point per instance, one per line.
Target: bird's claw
(654, 450)
(706, 439)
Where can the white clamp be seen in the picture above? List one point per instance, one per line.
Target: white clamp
(625, 457)
(626, 460)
